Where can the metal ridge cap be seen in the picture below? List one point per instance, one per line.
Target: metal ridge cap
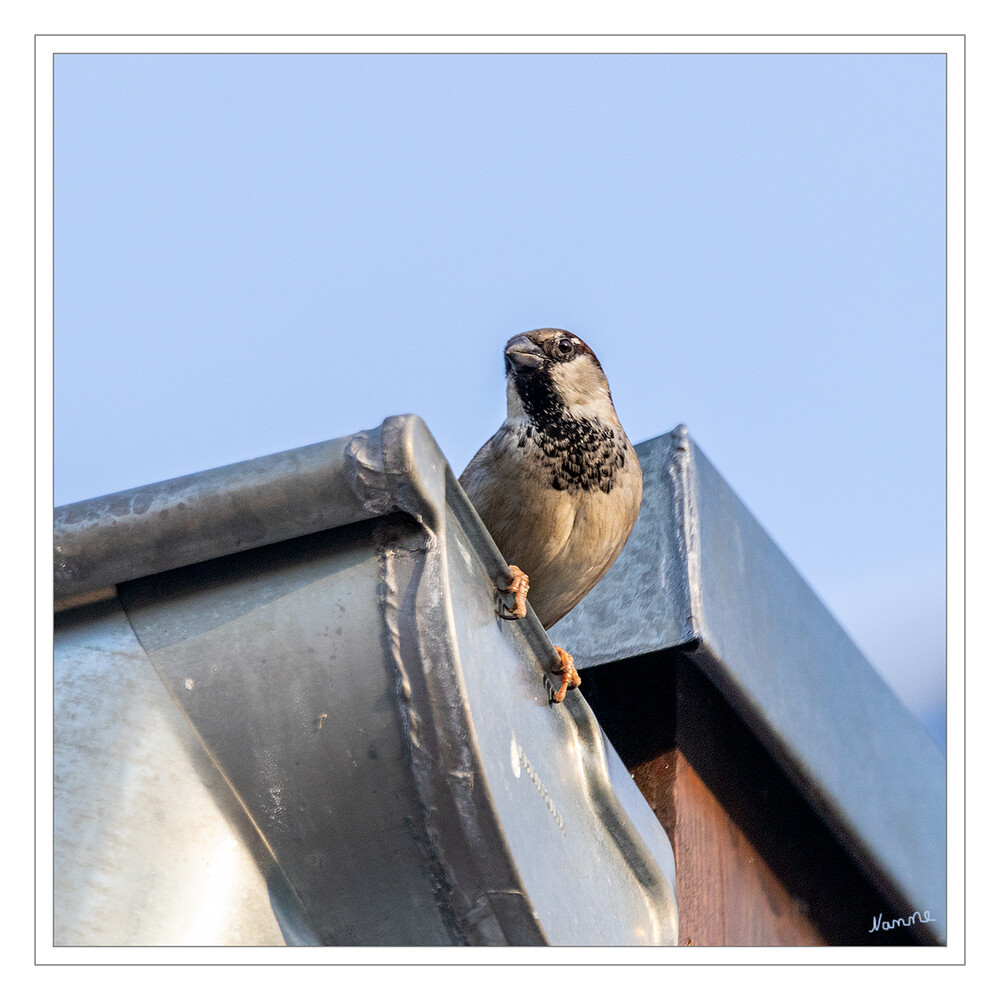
(405, 470)
(149, 529)
(412, 474)
(790, 669)
(421, 483)
(701, 575)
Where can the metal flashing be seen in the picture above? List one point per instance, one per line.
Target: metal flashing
(389, 738)
(701, 574)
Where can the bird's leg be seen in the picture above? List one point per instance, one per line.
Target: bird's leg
(519, 588)
(570, 678)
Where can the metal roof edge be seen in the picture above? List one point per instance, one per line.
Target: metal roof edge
(165, 525)
(699, 570)
(807, 691)
(700, 574)
(397, 467)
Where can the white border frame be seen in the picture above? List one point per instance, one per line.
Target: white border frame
(953, 46)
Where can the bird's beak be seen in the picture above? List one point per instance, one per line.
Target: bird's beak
(523, 353)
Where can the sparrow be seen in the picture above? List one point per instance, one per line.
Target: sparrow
(558, 486)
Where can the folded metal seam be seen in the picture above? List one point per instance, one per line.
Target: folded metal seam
(150, 529)
(681, 473)
(408, 451)
(399, 468)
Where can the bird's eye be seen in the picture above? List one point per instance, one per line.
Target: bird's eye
(565, 348)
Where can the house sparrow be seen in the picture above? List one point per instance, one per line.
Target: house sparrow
(559, 484)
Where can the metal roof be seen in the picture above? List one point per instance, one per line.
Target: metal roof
(700, 573)
(325, 622)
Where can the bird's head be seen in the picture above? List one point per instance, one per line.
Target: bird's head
(553, 373)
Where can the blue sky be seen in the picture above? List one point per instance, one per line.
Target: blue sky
(253, 253)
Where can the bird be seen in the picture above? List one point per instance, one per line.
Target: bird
(559, 485)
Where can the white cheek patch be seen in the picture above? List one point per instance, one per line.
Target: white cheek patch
(583, 388)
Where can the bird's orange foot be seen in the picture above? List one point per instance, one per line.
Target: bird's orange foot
(519, 588)
(570, 678)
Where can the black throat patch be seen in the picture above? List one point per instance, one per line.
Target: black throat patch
(580, 454)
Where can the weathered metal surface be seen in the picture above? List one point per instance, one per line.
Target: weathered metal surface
(127, 535)
(701, 574)
(388, 736)
(151, 845)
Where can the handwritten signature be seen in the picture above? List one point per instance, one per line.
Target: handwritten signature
(878, 924)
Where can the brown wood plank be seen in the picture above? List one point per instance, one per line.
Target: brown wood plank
(726, 893)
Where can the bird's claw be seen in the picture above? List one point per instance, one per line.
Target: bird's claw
(519, 588)
(570, 677)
